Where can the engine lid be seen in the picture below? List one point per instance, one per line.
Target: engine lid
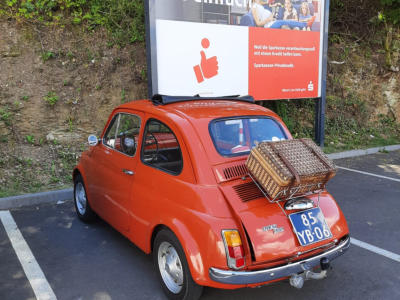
(269, 229)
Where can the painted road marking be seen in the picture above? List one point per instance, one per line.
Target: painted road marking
(32, 270)
(375, 249)
(370, 174)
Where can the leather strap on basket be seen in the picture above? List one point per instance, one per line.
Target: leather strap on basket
(287, 163)
(319, 156)
(316, 154)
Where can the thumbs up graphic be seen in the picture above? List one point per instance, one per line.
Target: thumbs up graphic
(208, 67)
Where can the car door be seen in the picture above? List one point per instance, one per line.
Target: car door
(164, 175)
(116, 158)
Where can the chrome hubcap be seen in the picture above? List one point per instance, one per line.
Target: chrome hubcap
(170, 267)
(80, 198)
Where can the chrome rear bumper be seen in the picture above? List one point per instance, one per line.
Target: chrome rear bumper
(250, 277)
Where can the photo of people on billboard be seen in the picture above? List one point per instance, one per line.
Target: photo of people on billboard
(276, 14)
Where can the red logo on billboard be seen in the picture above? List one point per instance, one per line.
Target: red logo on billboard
(208, 67)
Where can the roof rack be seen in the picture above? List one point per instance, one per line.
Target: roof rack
(165, 99)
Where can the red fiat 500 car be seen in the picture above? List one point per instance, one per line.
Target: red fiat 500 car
(170, 175)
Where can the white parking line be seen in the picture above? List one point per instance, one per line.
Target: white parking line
(32, 270)
(375, 249)
(370, 174)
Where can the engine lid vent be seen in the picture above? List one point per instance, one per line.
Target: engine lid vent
(248, 191)
(236, 171)
(230, 171)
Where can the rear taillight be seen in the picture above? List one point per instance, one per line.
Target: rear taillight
(233, 248)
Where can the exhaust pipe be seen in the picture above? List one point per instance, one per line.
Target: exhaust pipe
(316, 276)
(297, 280)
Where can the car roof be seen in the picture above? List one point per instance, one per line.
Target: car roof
(200, 109)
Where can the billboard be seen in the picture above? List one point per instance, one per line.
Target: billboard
(268, 49)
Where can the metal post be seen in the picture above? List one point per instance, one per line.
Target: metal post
(319, 126)
(320, 104)
(150, 11)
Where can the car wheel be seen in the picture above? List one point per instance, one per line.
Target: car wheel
(173, 270)
(82, 206)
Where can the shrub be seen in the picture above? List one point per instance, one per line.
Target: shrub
(51, 98)
(124, 19)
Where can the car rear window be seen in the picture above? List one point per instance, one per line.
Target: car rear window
(236, 136)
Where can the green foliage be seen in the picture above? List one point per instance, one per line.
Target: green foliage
(390, 11)
(51, 98)
(70, 124)
(123, 18)
(358, 18)
(50, 11)
(30, 139)
(17, 105)
(367, 21)
(143, 74)
(123, 96)
(298, 115)
(347, 126)
(5, 116)
(48, 55)
(389, 15)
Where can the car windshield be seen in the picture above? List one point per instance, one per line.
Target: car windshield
(237, 136)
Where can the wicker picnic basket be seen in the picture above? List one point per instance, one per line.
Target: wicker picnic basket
(291, 167)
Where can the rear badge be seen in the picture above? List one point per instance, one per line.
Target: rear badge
(273, 227)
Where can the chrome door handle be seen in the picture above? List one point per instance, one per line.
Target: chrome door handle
(128, 172)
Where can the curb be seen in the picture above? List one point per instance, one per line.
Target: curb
(354, 153)
(67, 194)
(37, 198)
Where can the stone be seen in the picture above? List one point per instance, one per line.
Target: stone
(50, 137)
(392, 97)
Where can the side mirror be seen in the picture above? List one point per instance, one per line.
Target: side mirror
(93, 140)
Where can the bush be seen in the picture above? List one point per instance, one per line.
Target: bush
(390, 11)
(51, 98)
(358, 18)
(123, 18)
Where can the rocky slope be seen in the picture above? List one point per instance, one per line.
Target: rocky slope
(56, 87)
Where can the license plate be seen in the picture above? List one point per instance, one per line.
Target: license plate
(310, 226)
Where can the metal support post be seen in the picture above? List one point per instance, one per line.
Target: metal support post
(320, 105)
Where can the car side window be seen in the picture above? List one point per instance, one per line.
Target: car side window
(160, 148)
(122, 133)
(110, 136)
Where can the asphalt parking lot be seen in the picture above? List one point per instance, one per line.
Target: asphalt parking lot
(94, 261)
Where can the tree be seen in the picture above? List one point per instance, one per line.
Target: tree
(390, 17)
